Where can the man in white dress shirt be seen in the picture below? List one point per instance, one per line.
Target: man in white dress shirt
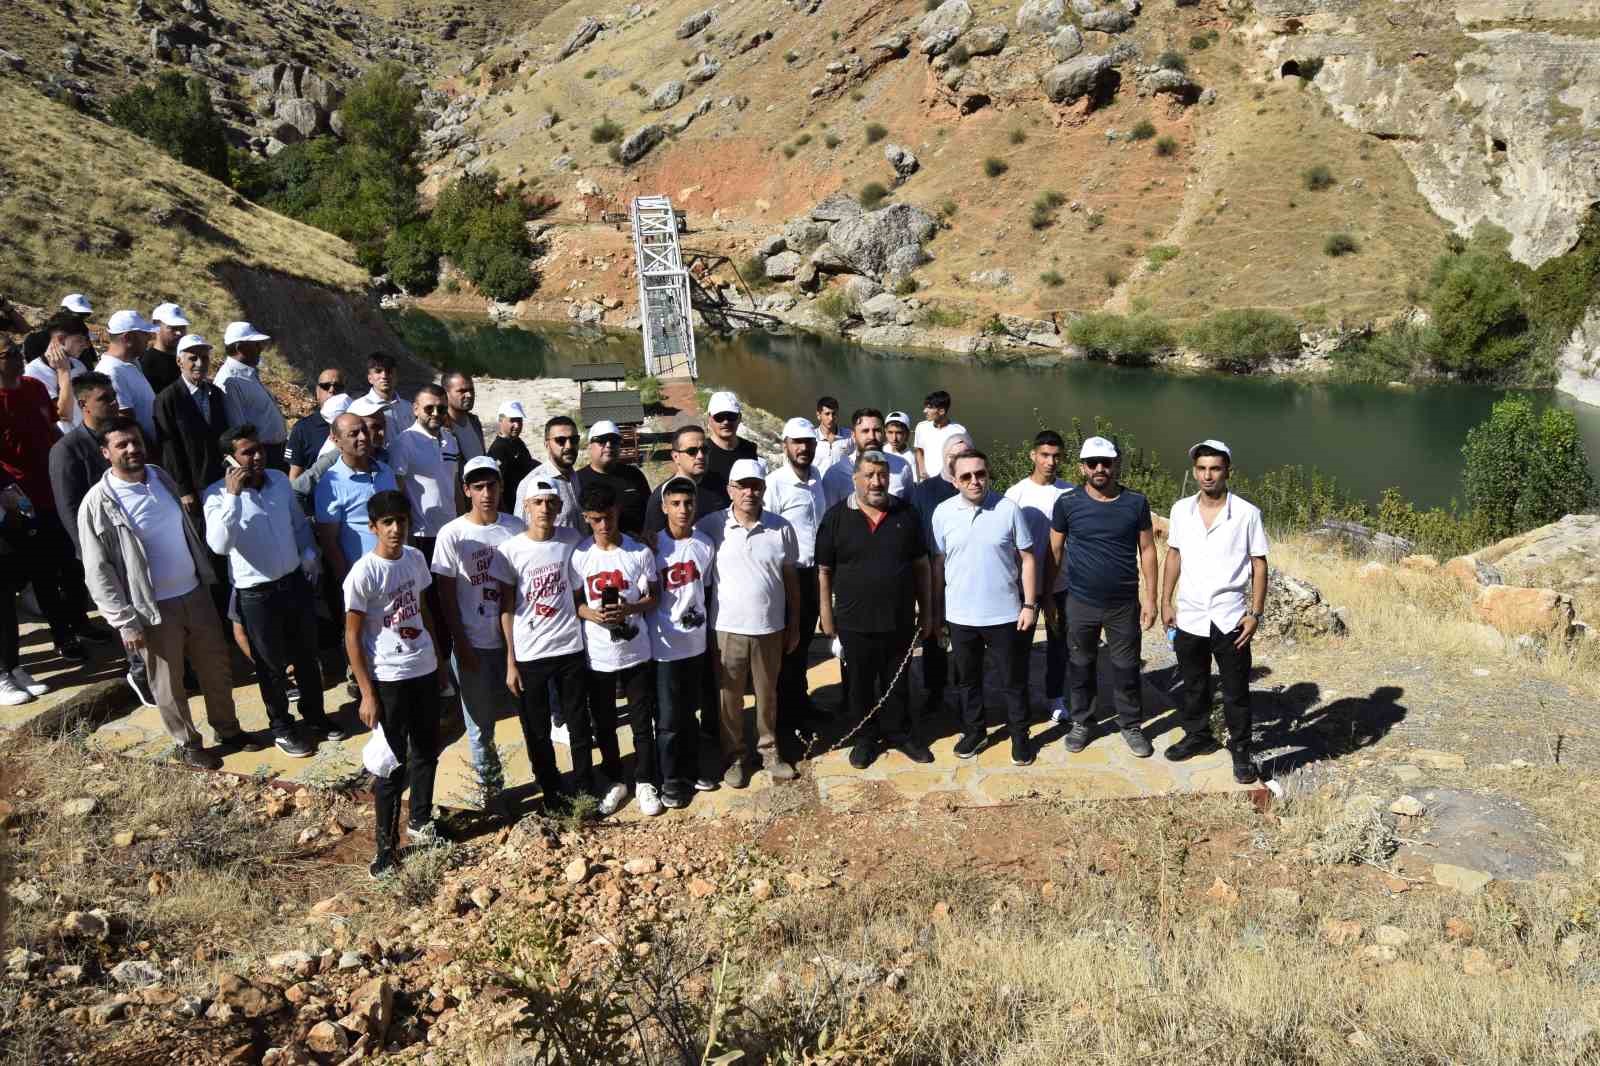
(248, 399)
(866, 429)
(795, 493)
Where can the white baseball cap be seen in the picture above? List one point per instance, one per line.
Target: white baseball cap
(748, 470)
(1097, 448)
(900, 417)
(799, 429)
(512, 409)
(170, 315)
(722, 403)
(77, 303)
(478, 464)
(239, 332)
(538, 486)
(192, 340)
(334, 406)
(364, 406)
(604, 428)
(129, 322)
(1214, 445)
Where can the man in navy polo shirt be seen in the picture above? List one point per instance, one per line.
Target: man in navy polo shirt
(1104, 534)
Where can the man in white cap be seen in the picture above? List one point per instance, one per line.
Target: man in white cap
(128, 333)
(795, 493)
(626, 480)
(508, 450)
(248, 399)
(897, 437)
(463, 557)
(1103, 537)
(755, 616)
(724, 445)
(159, 361)
(1036, 494)
(866, 429)
(688, 460)
(191, 414)
(78, 304)
(1217, 567)
(311, 434)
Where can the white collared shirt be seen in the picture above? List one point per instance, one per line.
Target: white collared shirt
(249, 401)
(750, 597)
(397, 413)
(802, 503)
(1214, 582)
(430, 466)
(840, 480)
(829, 452)
(263, 532)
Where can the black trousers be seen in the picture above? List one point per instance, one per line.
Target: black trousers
(411, 726)
(873, 659)
(567, 676)
(678, 694)
(1233, 667)
(986, 657)
(794, 703)
(42, 555)
(280, 618)
(1120, 624)
(639, 686)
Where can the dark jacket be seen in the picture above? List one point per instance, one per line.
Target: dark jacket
(160, 368)
(190, 451)
(75, 467)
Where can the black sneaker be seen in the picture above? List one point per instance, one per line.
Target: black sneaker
(292, 693)
(1191, 745)
(71, 650)
(1137, 742)
(243, 741)
(1077, 737)
(196, 757)
(673, 800)
(139, 681)
(97, 632)
(969, 745)
(383, 867)
(328, 728)
(916, 751)
(706, 784)
(1244, 767)
(1021, 751)
(863, 754)
(294, 747)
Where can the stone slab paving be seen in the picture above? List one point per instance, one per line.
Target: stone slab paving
(67, 680)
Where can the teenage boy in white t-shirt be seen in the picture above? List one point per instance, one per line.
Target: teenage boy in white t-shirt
(1036, 495)
(470, 600)
(539, 620)
(678, 638)
(614, 583)
(389, 639)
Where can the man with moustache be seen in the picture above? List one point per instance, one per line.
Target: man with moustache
(128, 334)
(795, 493)
(248, 400)
(725, 446)
(866, 429)
(607, 468)
(688, 460)
(510, 452)
(561, 453)
(191, 414)
(160, 359)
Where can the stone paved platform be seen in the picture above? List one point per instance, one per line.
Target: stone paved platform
(1106, 770)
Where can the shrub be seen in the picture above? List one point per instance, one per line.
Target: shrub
(875, 133)
(994, 326)
(605, 131)
(789, 150)
(857, 95)
(906, 286)
(948, 209)
(1044, 208)
(1130, 339)
(1244, 338)
(1394, 355)
(1159, 256)
(959, 54)
(1018, 136)
(1524, 470)
(832, 140)
(940, 316)
(589, 74)
(412, 259)
(1094, 221)
(1199, 43)
(872, 194)
(503, 276)
(994, 166)
(835, 307)
(788, 57)
(483, 230)
(1167, 146)
(1318, 178)
(1113, 278)
(1339, 244)
(175, 114)
(802, 140)
(1479, 320)
(1143, 130)
(1052, 279)
(1173, 61)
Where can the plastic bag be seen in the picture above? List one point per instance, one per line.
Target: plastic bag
(377, 756)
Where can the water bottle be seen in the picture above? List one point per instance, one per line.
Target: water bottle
(1172, 637)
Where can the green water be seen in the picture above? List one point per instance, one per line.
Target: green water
(1369, 437)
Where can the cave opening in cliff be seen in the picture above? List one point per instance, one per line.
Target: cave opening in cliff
(1291, 69)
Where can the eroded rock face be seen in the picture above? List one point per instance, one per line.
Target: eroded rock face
(1578, 366)
(1561, 555)
(640, 142)
(587, 30)
(1295, 608)
(951, 17)
(866, 242)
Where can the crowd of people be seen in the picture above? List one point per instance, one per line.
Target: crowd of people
(462, 568)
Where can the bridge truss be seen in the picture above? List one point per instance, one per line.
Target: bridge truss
(666, 307)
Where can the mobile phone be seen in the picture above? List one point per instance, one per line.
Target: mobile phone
(610, 596)
(231, 461)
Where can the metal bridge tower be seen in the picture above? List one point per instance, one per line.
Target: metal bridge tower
(665, 308)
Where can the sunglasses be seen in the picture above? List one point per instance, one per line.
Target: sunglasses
(726, 416)
(695, 450)
(608, 441)
(1095, 464)
(562, 440)
(973, 475)
(432, 409)
(330, 385)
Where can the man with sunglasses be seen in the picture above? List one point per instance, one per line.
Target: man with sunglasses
(688, 460)
(310, 433)
(561, 452)
(508, 450)
(725, 446)
(607, 468)
(1103, 534)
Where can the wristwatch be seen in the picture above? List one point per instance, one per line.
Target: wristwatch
(1030, 607)
(1257, 615)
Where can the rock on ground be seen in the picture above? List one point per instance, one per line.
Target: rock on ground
(1040, 16)
(1295, 609)
(640, 141)
(588, 28)
(866, 242)
(1075, 78)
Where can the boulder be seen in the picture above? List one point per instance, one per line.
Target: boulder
(986, 40)
(299, 115)
(704, 71)
(639, 143)
(904, 163)
(859, 290)
(1066, 82)
(1109, 20)
(990, 279)
(1295, 609)
(836, 208)
(950, 18)
(804, 235)
(783, 266)
(901, 262)
(666, 94)
(893, 43)
(1471, 573)
(772, 245)
(694, 24)
(371, 1010)
(1560, 555)
(881, 309)
(1523, 611)
(587, 30)
(249, 1000)
(327, 1038)
(320, 91)
(1040, 16)
(939, 43)
(866, 242)
(1360, 540)
(1173, 82)
(1066, 43)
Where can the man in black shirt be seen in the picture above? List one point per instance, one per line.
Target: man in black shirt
(929, 494)
(311, 432)
(872, 564)
(724, 446)
(688, 460)
(160, 361)
(507, 449)
(606, 467)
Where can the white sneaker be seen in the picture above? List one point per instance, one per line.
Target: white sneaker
(558, 735)
(612, 801)
(25, 680)
(11, 693)
(649, 801)
(1058, 710)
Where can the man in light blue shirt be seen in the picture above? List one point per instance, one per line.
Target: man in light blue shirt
(339, 504)
(253, 519)
(985, 586)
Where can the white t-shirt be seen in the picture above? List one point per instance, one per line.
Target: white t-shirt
(389, 593)
(930, 439)
(133, 393)
(630, 567)
(465, 552)
(40, 371)
(1038, 503)
(429, 466)
(545, 621)
(679, 622)
(158, 521)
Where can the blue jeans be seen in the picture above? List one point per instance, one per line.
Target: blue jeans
(484, 698)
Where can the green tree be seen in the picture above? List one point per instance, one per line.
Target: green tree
(380, 113)
(1525, 469)
(1480, 324)
(176, 113)
(1244, 337)
(1134, 339)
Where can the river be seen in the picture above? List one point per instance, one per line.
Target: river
(1368, 437)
